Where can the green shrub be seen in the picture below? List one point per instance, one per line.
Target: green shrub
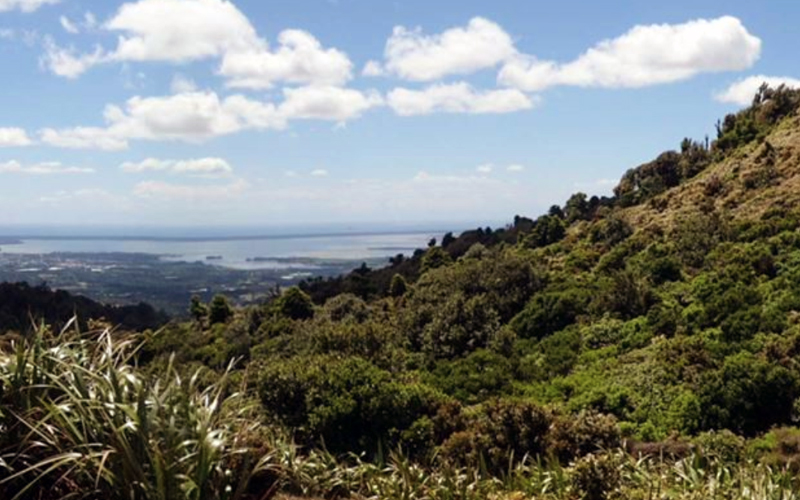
(346, 403)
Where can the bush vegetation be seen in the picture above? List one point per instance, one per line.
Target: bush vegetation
(625, 347)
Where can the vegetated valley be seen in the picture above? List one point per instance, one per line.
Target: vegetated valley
(641, 346)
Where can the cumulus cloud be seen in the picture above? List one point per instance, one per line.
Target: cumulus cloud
(179, 31)
(198, 116)
(45, 168)
(24, 5)
(743, 91)
(192, 116)
(456, 98)
(412, 55)
(14, 137)
(200, 167)
(645, 55)
(189, 192)
(515, 168)
(320, 172)
(486, 168)
(300, 59)
(327, 103)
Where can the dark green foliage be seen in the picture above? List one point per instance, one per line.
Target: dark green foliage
(769, 107)
(348, 403)
(550, 312)
(746, 395)
(398, 286)
(547, 230)
(459, 326)
(24, 307)
(576, 208)
(219, 311)
(610, 232)
(479, 376)
(696, 234)
(197, 309)
(295, 304)
(435, 257)
(342, 308)
(447, 240)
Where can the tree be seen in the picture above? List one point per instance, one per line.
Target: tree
(576, 207)
(448, 239)
(435, 257)
(296, 304)
(220, 310)
(198, 309)
(398, 286)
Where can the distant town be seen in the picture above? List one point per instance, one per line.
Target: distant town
(130, 278)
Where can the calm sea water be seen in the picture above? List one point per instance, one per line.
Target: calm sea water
(235, 252)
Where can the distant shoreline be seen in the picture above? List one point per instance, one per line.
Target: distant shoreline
(19, 239)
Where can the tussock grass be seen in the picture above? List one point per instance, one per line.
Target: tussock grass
(79, 420)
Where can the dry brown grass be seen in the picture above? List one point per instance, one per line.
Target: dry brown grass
(750, 184)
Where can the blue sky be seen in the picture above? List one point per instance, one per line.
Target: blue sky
(253, 113)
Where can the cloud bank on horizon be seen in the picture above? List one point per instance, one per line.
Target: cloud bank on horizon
(256, 84)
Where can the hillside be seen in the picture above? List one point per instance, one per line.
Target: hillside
(538, 360)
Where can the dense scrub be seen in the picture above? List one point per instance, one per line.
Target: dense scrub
(664, 319)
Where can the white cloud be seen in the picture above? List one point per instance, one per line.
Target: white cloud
(14, 137)
(180, 192)
(299, 59)
(67, 62)
(68, 25)
(45, 168)
(181, 85)
(180, 31)
(486, 168)
(24, 5)
(320, 172)
(200, 167)
(373, 68)
(412, 55)
(515, 168)
(197, 116)
(743, 91)
(83, 138)
(192, 116)
(645, 55)
(327, 103)
(456, 98)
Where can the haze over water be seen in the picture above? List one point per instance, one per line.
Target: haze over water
(236, 251)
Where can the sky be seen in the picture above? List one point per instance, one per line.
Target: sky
(282, 112)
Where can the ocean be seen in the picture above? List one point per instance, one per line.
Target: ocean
(247, 250)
